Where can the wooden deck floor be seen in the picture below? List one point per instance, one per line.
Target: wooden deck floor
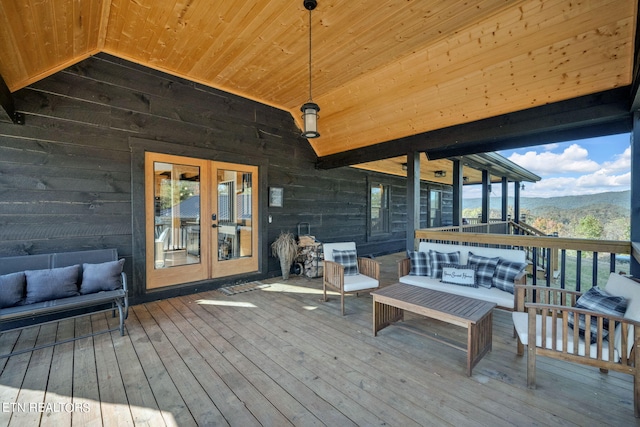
(278, 356)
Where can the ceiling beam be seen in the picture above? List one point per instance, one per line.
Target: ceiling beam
(7, 104)
(599, 114)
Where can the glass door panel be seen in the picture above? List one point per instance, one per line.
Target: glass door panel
(234, 219)
(174, 238)
(177, 214)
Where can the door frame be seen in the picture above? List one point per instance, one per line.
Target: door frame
(138, 147)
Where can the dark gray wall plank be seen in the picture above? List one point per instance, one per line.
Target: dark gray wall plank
(72, 177)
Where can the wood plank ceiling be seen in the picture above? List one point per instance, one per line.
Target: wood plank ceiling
(382, 70)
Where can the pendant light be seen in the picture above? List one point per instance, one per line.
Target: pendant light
(310, 109)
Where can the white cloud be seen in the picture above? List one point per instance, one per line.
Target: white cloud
(600, 179)
(621, 162)
(574, 159)
(598, 182)
(572, 171)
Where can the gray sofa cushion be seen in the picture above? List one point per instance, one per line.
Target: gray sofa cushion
(438, 259)
(506, 273)
(600, 301)
(486, 268)
(50, 284)
(420, 265)
(11, 289)
(101, 277)
(462, 275)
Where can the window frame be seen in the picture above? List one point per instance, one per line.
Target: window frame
(384, 210)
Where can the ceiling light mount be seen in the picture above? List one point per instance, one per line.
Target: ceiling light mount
(310, 109)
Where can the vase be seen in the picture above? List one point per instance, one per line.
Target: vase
(285, 266)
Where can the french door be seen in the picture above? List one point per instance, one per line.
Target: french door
(201, 219)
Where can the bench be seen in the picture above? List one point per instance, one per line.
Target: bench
(543, 320)
(35, 287)
(504, 299)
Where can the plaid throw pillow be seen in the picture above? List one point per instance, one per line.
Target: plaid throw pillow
(348, 259)
(506, 272)
(438, 259)
(485, 268)
(463, 275)
(419, 264)
(600, 301)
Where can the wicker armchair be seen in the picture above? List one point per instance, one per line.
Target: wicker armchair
(366, 279)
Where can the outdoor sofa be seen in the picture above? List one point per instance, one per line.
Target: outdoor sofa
(33, 288)
(488, 261)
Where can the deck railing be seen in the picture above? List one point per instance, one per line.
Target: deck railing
(576, 264)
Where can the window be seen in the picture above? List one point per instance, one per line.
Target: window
(379, 214)
(435, 208)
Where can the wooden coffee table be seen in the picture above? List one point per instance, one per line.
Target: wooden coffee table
(389, 304)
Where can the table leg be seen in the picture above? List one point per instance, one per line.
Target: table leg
(479, 340)
(384, 315)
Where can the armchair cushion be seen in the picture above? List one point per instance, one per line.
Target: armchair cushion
(598, 300)
(485, 268)
(419, 263)
(506, 273)
(348, 259)
(630, 289)
(359, 282)
(438, 259)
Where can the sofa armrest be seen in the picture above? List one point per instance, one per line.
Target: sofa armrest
(521, 279)
(369, 267)
(404, 267)
(125, 287)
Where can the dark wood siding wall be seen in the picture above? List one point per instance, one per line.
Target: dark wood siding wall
(70, 177)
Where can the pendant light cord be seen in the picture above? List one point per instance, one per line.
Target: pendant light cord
(310, 97)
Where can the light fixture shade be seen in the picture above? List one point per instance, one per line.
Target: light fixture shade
(440, 174)
(310, 119)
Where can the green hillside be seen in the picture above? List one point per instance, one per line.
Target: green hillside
(619, 198)
(601, 216)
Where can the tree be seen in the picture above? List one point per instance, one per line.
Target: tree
(589, 227)
(548, 226)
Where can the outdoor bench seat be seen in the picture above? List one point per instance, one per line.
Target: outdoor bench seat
(501, 298)
(542, 323)
(35, 289)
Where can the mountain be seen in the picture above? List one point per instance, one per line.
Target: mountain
(565, 215)
(621, 199)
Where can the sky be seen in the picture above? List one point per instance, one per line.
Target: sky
(586, 166)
